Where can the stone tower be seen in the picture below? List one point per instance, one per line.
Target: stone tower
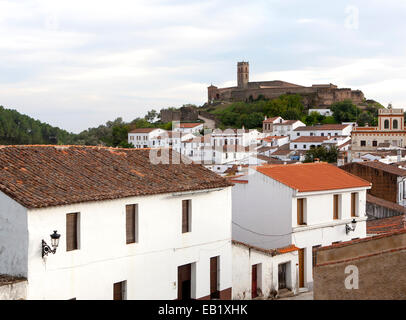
(243, 72)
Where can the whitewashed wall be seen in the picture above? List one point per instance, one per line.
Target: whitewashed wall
(267, 281)
(149, 266)
(266, 213)
(262, 208)
(13, 237)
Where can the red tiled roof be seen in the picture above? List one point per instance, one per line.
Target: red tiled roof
(386, 225)
(272, 252)
(143, 130)
(311, 139)
(270, 119)
(189, 125)
(323, 127)
(308, 177)
(43, 176)
(384, 167)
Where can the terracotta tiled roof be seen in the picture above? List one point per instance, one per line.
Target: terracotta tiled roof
(323, 127)
(308, 177)
(386, 204)
(270, 120)
(189, 125)
(272, 252)
(311, 139)
(384, 167)
(43, 176)
(143, 130)
(386, 225)
(286, 123)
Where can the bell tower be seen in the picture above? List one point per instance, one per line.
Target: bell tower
(243, 72)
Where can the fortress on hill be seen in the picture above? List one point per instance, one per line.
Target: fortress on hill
(318, 95)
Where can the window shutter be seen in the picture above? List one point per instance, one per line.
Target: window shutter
(353, 204)
(185, 216)
(300, 211)
(71, 231)
(335, 208)
(130, 221)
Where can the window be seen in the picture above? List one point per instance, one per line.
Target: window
(311, 134)
(300, 211)
(72, 231)
(363, 143)
(336, 134)
(304, 146)
(322, 134)
(386, 124)
(295, 146)
(131, 223)
(186, 215)
(395, 124)
(335, 207)
(298, 134)
(119, 290)
(374, 143)
(354, 204)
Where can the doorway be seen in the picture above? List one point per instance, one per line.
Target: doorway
(185, 282)
(254, 282)
(282, 283)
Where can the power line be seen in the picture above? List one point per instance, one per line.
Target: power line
(261, 234)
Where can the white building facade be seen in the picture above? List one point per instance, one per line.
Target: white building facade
(272, 212)
(102, 258)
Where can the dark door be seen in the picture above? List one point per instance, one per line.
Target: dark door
(301, 268)
(214, 293)
(254, 286)
(185, 282)
(118, 291)
(282, 276)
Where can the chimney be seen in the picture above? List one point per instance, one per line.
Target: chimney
(266, 117)
(399, 155)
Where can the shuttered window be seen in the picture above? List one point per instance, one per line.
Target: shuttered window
(186, 211)
(72, 231)
(119, 290)
(353, 204)
(335, 207)
(300, 219)
(131, 223)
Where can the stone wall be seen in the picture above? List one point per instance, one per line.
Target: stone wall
(381, 264)
(315, 96)
(182, 114)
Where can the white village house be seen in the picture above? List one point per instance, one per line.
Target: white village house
(129, 229)
(305, 205)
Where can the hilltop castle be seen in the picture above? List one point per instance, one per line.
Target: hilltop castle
(318, 95)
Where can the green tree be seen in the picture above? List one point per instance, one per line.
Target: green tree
(322, 153)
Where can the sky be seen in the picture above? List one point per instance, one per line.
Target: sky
(78, 64)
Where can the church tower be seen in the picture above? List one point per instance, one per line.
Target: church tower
(243, 72)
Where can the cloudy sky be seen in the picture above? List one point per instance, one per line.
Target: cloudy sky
(77, 64)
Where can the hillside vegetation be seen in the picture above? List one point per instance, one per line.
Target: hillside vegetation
(290, 107)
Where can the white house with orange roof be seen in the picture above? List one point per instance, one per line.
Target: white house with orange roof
(189, 127)
(267, 124)
(286, 127)
(306, 205)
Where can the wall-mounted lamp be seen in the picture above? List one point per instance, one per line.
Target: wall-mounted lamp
(54, 244)
(352, 228)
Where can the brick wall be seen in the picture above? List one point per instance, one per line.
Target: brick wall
(381, 263)
(384, 184)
